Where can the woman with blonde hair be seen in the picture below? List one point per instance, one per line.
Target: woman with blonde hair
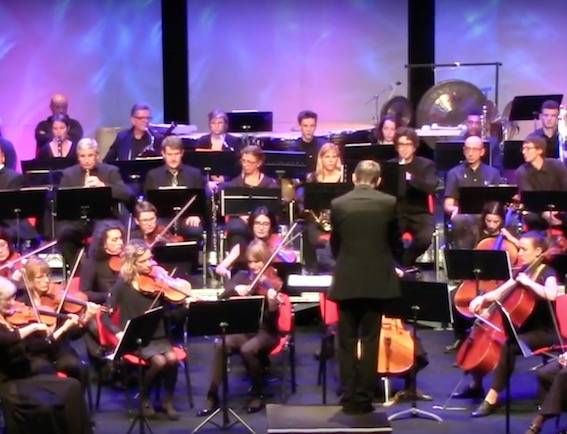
(329, 166)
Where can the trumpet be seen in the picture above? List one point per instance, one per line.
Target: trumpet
(323, 220)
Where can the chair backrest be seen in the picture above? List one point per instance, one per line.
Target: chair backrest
(329, 310)
(561, 314)
(105, 337)
(285, 318)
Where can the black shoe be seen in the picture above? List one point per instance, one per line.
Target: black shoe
(453, 347)
(469, 393)
(484, 409)
(212, 406)
(255, 405)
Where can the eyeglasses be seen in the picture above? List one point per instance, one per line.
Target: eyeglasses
(528, 148)
(143, 118)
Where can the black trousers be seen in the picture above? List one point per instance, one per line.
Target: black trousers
(358, 319)
(421, 227)
(553, 388)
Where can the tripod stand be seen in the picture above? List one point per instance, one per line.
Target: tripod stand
(140, 419)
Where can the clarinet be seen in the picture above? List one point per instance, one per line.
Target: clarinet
(213, 253)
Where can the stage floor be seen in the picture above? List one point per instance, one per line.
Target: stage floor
(438, 379)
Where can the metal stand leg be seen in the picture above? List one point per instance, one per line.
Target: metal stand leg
(140, 419)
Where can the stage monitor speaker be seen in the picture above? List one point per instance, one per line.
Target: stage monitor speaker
(328, 419)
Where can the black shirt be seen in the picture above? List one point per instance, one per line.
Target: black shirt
(238, 181)
(463, 176)
(551, 177)
(44, 135)
(552, 143)
(541, 316)
(97, 279)
(311, 150)
(414, 194)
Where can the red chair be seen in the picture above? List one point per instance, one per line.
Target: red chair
(561, 316)
(286, 343)
(330, 317)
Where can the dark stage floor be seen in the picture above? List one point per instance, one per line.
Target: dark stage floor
(437, 379)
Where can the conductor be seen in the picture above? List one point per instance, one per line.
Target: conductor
(364, 240)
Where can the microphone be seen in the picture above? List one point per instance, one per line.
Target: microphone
(388, 88)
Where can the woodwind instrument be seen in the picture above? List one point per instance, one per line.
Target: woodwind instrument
(87, 175)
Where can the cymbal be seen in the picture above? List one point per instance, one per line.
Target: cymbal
(400, 108)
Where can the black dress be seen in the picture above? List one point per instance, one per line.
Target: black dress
(37, 401)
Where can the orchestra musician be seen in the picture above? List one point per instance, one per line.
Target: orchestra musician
(536, 332)
(136, 141)
(364, 240)
(132, 299)
(417, 181)
(8, 253)
(249, 346)
(9, 157)
(263, 226)
(60, 146)
(308, 143)
(174, 173)
(474, 127)
(472, 173)
(59, 105)
(32, 396)
(386, 130)
(145, 216)
(89, 172)
(218, 138)
(549, 131)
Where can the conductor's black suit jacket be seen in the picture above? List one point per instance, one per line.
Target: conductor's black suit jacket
(365, 241)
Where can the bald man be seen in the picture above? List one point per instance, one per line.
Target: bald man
(58, 105)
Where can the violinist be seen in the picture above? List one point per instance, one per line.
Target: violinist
(32, 395)
(473, 172)
(249, 346)
(8, 254)
(59, 353)
(145, 216)
(263, 226)
(131, 298)
(537, 331)
(174, 173)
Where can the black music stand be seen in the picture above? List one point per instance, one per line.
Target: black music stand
(419, 301)
(285, 164)
(285, 269)
(179, 256)
(528, 107)
(21, 204)
(477, 265)
(225, 317)
(250, 121)
(391, 180)
(513, 157)
(318, 195)
(213, 162)
(135, 171)
(84, 203)
(137, 334)
(540, 201)
(353, 153)
(45, 171)
(559, 264)
(472, 199)
(450, 154)
(243, 200)
(170, 200)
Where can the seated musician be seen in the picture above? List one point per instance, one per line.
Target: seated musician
(418, 181)
(218, 139)
(88, 173)
(263, 226)
(132, 298)
(249, 346)
(549, 131)
(541, 174)
(252, 159)
(474, 127)
(174, 173)
(308, 143)
(145, 216)
(60, 146)
(32, 395)
(329, 169)
(7, 254)
(60, 354)
(472, 173)
(9, 151)
(137, 141)
(552, 379)
(386, 130)
(537, 331)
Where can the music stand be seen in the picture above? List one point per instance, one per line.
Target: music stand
(250, 121)
(170, 200)
(559, 264)
(528, 107)
(84, 203)
(243, 200)
(318, 195)
(353, 153)
(285, 164)
(135, 171)
(183, 255)
(450, 154)
(391, 181)
(540, 201)
(419, 301)
(213, 162)
(137, 334)
(224, 317)
(513, 157)
(45, 171)
(473, 199)
(22, 203)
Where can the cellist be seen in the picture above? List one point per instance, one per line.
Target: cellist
(536, 331)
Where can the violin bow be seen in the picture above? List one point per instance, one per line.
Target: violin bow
(70, 279)
(34, 305)
(173, 220)
(27, 255)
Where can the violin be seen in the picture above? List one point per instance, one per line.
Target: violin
(16, 264)
(395, 347)
(115, 263)
(21, 314)
(161, 234)
(175, 290)
(77, 303)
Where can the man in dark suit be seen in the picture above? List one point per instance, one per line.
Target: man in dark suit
(175, 174)
(364, 240)
(88, 173)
